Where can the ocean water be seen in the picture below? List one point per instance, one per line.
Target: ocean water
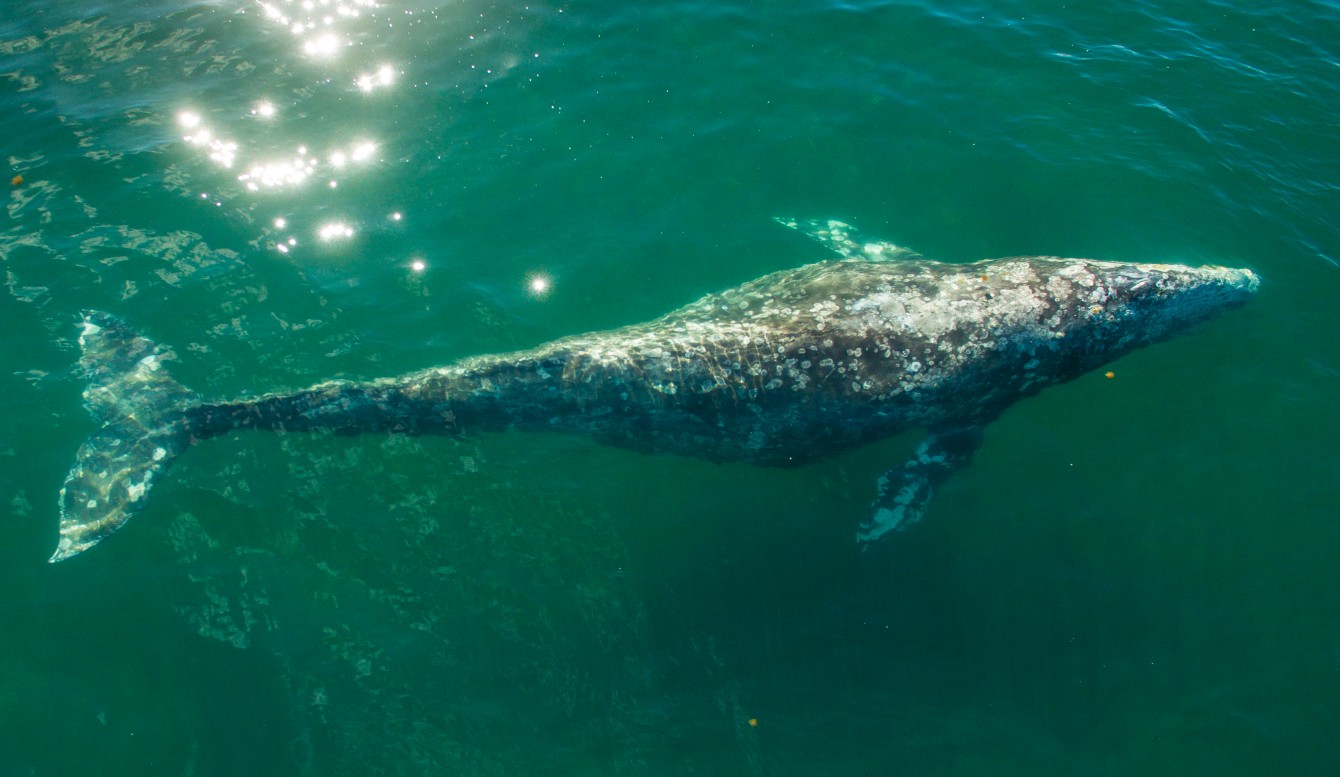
(1136, 575)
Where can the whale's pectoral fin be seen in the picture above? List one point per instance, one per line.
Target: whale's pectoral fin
(842, 238)
(905, 491)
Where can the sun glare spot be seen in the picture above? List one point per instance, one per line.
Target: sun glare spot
(335, 230)
(302, 20)
(323, 45)
(219, 150)
(538, 284)
(363, 150)
(384, 76)
(278, 173)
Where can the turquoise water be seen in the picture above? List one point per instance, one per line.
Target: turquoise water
(1136, 575)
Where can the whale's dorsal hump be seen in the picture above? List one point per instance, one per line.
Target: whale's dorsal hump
(842, 238)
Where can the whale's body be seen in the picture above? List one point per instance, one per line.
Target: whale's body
(792, 367)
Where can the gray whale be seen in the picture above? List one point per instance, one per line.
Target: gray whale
(783, 370)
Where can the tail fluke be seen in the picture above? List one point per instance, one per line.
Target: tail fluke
(144, 428)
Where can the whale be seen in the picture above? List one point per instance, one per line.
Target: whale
(795, 366)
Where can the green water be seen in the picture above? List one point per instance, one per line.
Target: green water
(1136, 575)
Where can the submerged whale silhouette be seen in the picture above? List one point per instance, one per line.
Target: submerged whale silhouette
(786, 369)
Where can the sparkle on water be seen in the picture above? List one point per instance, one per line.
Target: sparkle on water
(384, 76)
(335, 230)
(539, 284)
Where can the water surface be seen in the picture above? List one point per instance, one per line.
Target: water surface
(1136, 575)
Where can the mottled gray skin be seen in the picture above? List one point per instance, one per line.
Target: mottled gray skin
(792, 367)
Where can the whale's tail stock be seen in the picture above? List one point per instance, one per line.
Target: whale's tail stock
(145, 425)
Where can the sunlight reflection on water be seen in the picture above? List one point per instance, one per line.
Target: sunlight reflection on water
(271, 158)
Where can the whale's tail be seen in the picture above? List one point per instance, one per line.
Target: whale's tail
(145, 426)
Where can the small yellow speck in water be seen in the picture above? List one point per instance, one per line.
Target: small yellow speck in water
(1109, 375)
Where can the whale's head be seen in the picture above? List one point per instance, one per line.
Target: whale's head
(1111, 308)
